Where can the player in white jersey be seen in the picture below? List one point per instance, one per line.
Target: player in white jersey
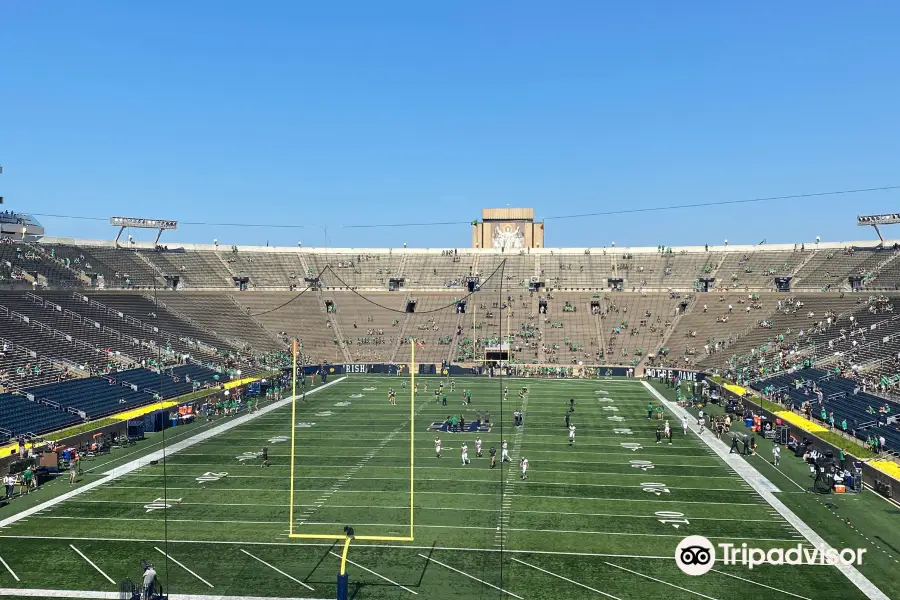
(666, 430)
(464, 452)
(437, 447)
(504, 452)
(524, 463)
(684, 424)
(571, 434)
(478, 447)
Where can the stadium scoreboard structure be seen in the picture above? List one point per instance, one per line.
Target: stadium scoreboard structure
(874, 221)
(138, 223)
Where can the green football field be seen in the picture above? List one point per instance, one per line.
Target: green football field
(600, 518)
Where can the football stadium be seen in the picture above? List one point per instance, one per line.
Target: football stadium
(505, 420)
(365, 301)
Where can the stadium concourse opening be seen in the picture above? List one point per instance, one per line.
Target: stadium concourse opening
(451, 423)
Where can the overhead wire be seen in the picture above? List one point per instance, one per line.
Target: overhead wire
(423, 312)
(546, 218)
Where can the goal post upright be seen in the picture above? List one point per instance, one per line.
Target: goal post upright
(412, 436)
(293, 435)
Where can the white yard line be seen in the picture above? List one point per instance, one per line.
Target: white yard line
(765, 489)
(132, 466)
(394, 525)
(330, 545)
(94, 595)
(759, 584)
(90, 562)
(375, 574)
(11, 572)
(277, 570)
(455, 570)
(677, 587)
(182, 566)
(586, 498)
(565, 579)
(428, 508)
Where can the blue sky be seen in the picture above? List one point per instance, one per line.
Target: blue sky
(333, 114)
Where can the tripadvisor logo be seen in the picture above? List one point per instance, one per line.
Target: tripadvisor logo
(696, 555)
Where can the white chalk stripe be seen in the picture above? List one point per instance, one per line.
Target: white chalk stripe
(90, 562)
(11, 572)
(565, 578)
(182, 566)
(96, 595)
(759, 584)
(455, 570)
(678, 587)
(277, 570)
(359, 566)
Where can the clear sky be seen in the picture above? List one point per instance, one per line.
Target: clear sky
(328, 114)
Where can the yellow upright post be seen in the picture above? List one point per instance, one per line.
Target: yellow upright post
(293, 436)
(474, 337)
(508, 343)
(344, 555)
(412, 436)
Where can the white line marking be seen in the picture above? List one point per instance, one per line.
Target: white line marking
(759, 584)
(564, 578)
(274, 568)
(11, 572)
(454, 569)
(678, 587)
(90, 562)
(95, 595)
(158, 455)
(325, 545)
(375, 574)
(182, 566)
(752, 476)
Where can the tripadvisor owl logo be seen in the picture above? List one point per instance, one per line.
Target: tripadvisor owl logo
(695, 555)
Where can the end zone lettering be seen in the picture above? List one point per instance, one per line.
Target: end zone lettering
(682, 375)
(356, 368)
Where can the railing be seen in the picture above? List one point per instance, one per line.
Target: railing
(113, 332)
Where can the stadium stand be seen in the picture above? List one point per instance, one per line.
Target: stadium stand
(222, 316)
(72, 308)
(814, 391)
(290, 315)
(20, 416)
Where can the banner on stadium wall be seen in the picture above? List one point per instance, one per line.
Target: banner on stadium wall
(457, 370)
(657, 373)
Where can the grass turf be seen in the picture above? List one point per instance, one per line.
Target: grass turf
(587, 514)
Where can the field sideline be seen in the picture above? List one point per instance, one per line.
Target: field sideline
(600, 518)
